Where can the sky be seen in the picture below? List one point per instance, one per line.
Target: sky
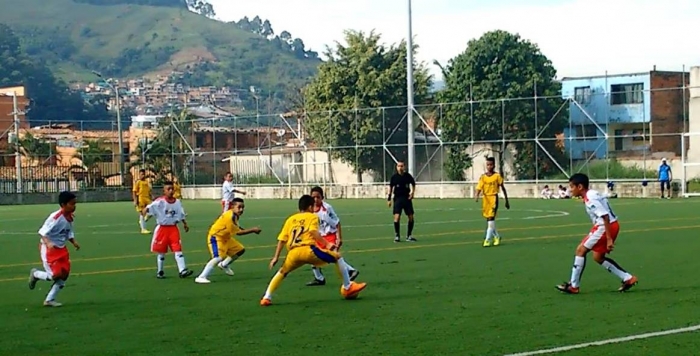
(581, 37)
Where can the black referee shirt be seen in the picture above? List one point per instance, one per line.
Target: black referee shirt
(401, 184)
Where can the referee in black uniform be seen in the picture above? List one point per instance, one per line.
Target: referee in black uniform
(402, 187)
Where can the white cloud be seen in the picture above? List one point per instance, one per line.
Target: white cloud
(581, 37)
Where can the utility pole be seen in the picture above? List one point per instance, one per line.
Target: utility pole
(119, 125)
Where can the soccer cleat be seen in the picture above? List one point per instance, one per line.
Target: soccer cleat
(316, 282)
(487, 243)
(628, 284)
(52, 303)
(160, 275)
(186, 273)
(265, 302)
(145, 232)
(411, 239)
(567, 288)
(32, 279)
(397, 238)
(353, 291)
(201, 280)
(226, 269)
(354, 274)
(496, 240)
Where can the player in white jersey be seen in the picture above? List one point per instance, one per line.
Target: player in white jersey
(600, 240)
(227, 192)
(55, 233)
(329, 228)
(168, 212)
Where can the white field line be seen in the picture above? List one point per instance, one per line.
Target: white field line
(610, 341)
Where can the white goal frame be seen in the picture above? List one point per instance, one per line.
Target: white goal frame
(685, 176)
(301, 169)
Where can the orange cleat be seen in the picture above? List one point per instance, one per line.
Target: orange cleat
(353, 291)
(626, 285)
(265, 302)
(567, 288)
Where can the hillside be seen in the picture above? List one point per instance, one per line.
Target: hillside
(74, 37)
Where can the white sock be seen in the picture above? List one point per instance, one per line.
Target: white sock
(577, 271)
(492, 225)
(55, 288)
(342, 262)
(160, 260)
(229, 260)
(44, 276)
(142, 222)
(317, 274)
(489, 232)
(345, 274)
(613, 268)
(209, 267)
(180, 259)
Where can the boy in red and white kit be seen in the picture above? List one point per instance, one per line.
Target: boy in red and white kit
(600, 240)
(168, 212)
(329, 229)
(56, 231)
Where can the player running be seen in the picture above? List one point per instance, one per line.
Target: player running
(330, 231)
(168, 212)
(301, 236)
(403, 187)
(56, 231)
(488, 186)
(227, 192)
(142, 197)
(600, 240)
(222, 242)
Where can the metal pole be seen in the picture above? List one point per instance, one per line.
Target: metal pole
(18, 155)
(409, 94)
(120, 135)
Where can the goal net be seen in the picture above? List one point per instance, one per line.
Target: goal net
(690, 154)
(309, 173)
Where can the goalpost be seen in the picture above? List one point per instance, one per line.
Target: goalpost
(308, 173)
(690, 159)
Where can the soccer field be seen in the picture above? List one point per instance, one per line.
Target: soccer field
(443, 295)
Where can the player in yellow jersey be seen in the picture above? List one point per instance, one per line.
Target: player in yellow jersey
(177, 188)
(223, 245)
(142, 197)
(489, 184)
(305, 246)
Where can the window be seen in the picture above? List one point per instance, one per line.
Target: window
(588, 132)
(582, 95)
(627, 94)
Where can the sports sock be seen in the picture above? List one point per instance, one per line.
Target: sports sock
(343, 273)
(489, 231)
(397, 228)
(229, 260)
(209, 267)
(43, 275)
(492, 225)
(577, 271)
(274, 284)
(142, 222)
(318, 274)
(615, 269)
(180, 259)
(410, 227)
(55, 288)
(347, 265)
(160, 259)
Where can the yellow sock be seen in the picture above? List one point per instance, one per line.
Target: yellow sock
(274, 284)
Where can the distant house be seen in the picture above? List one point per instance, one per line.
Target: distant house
(625, 115)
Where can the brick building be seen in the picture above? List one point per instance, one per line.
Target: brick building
(7, 119)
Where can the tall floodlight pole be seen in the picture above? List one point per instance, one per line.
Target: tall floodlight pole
(409, 93)
(119, 125)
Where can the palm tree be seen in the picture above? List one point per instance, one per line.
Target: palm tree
(34, 149)
(90, 154)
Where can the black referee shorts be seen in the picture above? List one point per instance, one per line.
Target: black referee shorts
(403, 204)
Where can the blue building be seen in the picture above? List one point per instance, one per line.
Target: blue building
(616, 115)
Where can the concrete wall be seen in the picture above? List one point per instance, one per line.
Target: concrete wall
(424, 190)
(52, 198)
(693, 147)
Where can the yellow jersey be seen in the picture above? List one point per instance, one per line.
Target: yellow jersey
(489, 184)
(142, 189)
(224, 227)
(297, 230)
(177, 189)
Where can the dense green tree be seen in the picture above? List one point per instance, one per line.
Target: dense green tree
(500, 65)
(90, 155)
(35, 150)
(362, 73)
